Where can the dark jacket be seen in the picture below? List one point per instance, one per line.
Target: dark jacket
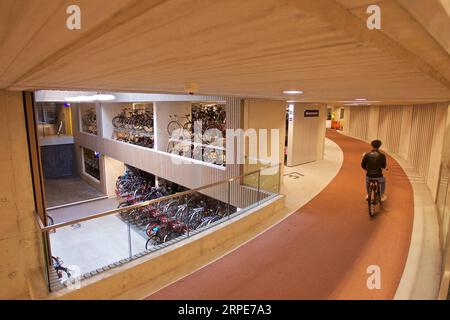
(373, 162)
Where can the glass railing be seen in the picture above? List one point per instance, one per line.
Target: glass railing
(95, 243)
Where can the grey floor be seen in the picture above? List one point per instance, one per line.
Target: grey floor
(96, 243)
(81, 210)
(68, 190)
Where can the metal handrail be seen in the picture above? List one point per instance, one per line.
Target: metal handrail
(146, 203)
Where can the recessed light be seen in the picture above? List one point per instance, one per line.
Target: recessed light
(292, 92)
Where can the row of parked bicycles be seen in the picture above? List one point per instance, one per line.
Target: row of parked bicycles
(200, 135)
(168, 219)
(91, 164)
(89, 121)
(135, 126)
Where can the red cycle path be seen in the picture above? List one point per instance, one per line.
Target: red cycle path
(321, 251)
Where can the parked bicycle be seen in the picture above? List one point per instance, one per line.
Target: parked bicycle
(59, 267)
(89, 121)
(134, 126)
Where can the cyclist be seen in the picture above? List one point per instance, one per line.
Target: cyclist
(374, 162)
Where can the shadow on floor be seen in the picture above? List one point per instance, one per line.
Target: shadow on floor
(68, 190)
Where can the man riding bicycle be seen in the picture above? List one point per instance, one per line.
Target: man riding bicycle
(374, 162)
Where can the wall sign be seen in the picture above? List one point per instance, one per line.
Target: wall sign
(311, 113)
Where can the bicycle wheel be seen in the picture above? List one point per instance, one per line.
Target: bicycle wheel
(148, 244)
(187, 127)
(117, 122)
(172, 126)
(372, 199)
(171, 147)
(50, 221)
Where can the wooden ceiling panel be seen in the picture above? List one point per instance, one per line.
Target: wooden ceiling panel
(252, 48)
(33, 30)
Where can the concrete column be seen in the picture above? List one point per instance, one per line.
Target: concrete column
(306, 134)
(113, 169)
(269, 115)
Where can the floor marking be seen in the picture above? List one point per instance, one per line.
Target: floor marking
(294, 175)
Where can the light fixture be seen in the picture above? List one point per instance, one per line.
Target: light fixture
(292, 92)
(361, 99)
(358, 104)
(358, 101)
(95, 97)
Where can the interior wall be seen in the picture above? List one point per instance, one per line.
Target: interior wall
(306, 135)
(443, 206)
(359, 122)
(76, 114)
(414, 132)
(388, 127)
(423, 120)
(21, 249)
(113, 169)
(256, 116)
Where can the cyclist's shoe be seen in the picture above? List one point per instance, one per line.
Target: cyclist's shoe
(383, 198)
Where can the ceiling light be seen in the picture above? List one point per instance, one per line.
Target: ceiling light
(292, 92)
(104, 97)
(95, 97)
(361, 99)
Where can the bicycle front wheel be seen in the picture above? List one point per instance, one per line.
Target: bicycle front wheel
(172, 126)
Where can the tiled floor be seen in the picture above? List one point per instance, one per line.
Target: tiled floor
(68, 190)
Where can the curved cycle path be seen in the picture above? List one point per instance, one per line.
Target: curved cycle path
(321, 251)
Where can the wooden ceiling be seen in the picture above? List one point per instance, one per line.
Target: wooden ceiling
(254, 48)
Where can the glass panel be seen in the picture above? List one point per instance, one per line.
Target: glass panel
(91, 245)
(104, 242)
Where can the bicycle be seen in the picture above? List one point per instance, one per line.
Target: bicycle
(374, 196)
(89, 121)
(59, 268)
(176, 126)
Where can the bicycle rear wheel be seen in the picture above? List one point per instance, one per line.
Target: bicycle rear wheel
(372, 200)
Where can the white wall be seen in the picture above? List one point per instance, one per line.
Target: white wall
(113, 169)
(306, 135)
